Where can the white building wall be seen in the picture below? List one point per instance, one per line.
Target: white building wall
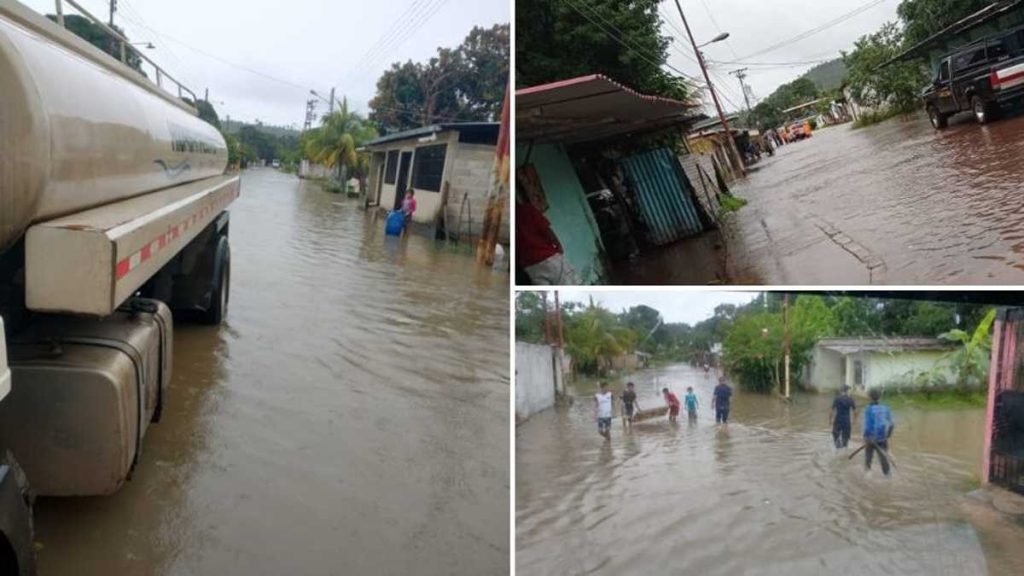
(828, 369)
(536, 378)
(471, 178)
(825, 371)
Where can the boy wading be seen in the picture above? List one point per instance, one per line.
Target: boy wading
(603, 411)
(878, 427)
(629, 405)
(841, 417)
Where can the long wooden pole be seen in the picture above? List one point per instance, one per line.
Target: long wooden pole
(498, 196)
(785, 337)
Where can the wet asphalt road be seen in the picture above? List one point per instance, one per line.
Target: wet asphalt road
(894, 203)
(350, 418)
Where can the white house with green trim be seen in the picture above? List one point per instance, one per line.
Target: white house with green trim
(864, 363)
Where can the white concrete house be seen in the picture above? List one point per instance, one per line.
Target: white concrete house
(450, 167)
(864, 363)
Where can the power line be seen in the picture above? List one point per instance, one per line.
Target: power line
(638, 51)
(411, 21)
(719, 28)
(813, 31)
(675, 45)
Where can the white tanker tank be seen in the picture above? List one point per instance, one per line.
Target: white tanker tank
(79, 129)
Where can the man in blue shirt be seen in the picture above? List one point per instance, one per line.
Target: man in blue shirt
(878, 427)
(720, 401)
(840, 418)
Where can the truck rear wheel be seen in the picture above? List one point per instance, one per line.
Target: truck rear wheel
(938, 119)
(219, 296)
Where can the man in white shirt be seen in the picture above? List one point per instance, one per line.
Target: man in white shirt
(603, 411)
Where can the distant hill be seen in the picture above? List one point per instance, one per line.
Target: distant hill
(233, 126)
(827, 76)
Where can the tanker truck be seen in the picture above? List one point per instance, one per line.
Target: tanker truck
(113, 220)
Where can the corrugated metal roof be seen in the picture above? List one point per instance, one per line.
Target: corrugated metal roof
(436, 128)
(884, 345)
(968, 22)
(592, 108)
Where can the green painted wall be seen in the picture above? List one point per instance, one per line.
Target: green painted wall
(568, 211)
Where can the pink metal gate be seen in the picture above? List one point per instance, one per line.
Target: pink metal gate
(1003, 462)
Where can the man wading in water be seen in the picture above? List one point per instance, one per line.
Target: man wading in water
(839, 418)
(603, 411)
(629, 406)
(720, 401)
(878, 427)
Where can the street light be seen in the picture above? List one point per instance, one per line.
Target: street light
(330, 103)
(718, 38)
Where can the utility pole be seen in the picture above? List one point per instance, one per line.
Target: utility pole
(741, 74)
(714, 96)
(113, 8)
(206, 96)
(785, 337)
(558, 321)
(547, 318)
(310, 113)
(331, 109)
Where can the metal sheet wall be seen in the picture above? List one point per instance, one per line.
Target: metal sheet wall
(664, 196)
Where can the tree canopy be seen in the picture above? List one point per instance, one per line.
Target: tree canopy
(462, 84)
(622, 39)
(98, 37)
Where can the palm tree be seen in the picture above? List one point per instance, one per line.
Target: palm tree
(335, 143)
(970, 361)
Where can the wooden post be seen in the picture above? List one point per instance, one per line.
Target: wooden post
(498, 196)
(785, 337)
(558, 321)
(994, 369)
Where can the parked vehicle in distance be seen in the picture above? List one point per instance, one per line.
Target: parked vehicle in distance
(983, 77)
(276, 163)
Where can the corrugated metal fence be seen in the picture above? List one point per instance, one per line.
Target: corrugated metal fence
(665, 198)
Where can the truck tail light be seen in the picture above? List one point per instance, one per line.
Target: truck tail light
(993, 79)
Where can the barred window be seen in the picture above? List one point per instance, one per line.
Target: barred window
(391, 167)
(428, 168)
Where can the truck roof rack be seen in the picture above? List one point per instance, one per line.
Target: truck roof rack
(166, 86)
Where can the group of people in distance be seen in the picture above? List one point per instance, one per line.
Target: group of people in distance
(604, 405)
(878, 422)
(878, 426)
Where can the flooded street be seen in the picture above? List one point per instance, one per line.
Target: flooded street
(351, 417)
(768, 494)
(896, 203)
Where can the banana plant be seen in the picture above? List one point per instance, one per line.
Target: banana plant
(969, 361)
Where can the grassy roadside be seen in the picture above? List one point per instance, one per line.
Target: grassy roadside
(944, 400)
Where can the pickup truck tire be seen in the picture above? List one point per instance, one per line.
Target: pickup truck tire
(938, 119)
(984, 112)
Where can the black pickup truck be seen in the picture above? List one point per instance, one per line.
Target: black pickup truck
(982, 77)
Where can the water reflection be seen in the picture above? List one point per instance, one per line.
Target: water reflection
(352, 417)
(766, 494)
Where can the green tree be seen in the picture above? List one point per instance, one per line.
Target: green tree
(594, 336)
(529, 316)
(622, 39)
(970, 361)
(897, 85)
(922, 18)
(335, 143)
(466, 83)
(98, 37)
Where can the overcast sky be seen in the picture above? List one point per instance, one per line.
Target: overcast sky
(757, 25)
(307, 44)
(675, 306)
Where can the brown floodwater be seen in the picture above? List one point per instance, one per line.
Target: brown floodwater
(351, 417)
(901, 203)
(768, 494)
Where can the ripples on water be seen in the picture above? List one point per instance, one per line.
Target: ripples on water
(938, 207)
(767, 495)
(351, 417)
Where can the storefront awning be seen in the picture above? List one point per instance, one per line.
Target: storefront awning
(592, 108)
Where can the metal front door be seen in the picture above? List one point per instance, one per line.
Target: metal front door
(402, 184)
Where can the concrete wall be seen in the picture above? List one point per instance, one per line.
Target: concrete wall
(568, 211)
(828, 370)
(470, 178)
(309, 170)
(536, 379)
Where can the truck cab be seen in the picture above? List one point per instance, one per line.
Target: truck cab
(983, 77)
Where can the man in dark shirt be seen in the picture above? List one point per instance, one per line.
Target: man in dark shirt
(840, 417)
(629, 405)
(720, 401)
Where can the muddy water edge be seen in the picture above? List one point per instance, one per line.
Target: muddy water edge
(351, 417)
(768, 494)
